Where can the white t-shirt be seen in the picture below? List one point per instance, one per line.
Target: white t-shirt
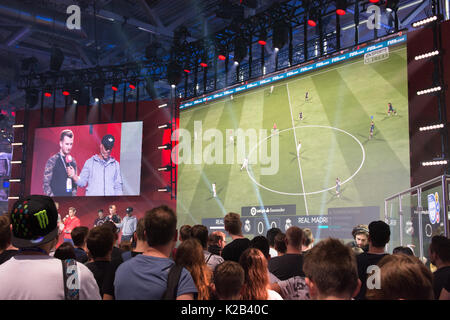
(273, 295)
(39, 277)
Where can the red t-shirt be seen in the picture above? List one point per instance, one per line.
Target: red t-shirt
(69, 225)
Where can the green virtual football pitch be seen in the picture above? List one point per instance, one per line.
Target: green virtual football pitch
(338, 105)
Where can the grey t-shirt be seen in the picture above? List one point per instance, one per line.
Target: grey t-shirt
(145, 278)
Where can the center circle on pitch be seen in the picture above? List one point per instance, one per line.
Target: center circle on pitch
(312, 192)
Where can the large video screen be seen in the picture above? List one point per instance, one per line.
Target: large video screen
(88, 160)
(322, 150)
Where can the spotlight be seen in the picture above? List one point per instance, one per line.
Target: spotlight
(425, 21)
(165, 189)
(98, 91)
(48, 92)
(187, 70)
(222, 57)
(236, 63)
(203, 64)
(65, 92)
(432, 127)
(431, 90)
(162, 105)
(173, 86)
(167, 146)
(374, 1)
(240, 49)
(263, 38)
(427, 55)
(434, 163)
(392, 5)
(165, 126)
(280, 34)
(132, 85)
(313, 17)
(115, 86)
(341, 7)
(166, 168)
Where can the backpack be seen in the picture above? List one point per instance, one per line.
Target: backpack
(71, 279)
(172, 283)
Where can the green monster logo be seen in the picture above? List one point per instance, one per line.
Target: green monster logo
(42, 218)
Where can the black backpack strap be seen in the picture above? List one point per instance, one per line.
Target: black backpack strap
(71, 280)
(172, 283)
(209, 257)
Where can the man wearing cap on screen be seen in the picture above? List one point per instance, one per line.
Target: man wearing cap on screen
(33, 274)
(56, 181)
(101, 172)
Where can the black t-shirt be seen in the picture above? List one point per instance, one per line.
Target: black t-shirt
(287, 266)
(365, 260)
(81, 255)
(234, 249)
(441, 279)
(99, 269)
(108, 280)
(5, 255)
(116, 253)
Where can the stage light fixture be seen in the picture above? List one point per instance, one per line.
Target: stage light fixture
(98, 91)
(162, 105)
(166, 168)
(391, 5)
(165, 126)
(374, 1)
(174, 73)
(240, 49)
(430, 90)
(222, 57)
(280, 35)
(48, 92)
(115, 86)
(434, 163)
(31, 97)
(425, 21)
(313, 17)
(427, 55)
(341, 7)
(187, 70)
(132, 85)
(167, 146)
(165, 189)
(432, 127)
(65, 92)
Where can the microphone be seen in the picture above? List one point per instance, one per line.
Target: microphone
(69, 160)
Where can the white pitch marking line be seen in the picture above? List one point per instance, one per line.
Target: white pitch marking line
(298, 153)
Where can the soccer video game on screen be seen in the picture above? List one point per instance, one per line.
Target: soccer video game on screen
(320, 150)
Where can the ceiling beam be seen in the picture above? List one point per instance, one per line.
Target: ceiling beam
(155, 19)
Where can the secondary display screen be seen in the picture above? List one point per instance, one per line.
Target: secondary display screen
(88, 160)
(322, 150)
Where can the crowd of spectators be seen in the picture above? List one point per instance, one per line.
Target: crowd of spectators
(149, 265)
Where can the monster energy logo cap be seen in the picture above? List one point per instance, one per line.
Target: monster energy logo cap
(34, 221)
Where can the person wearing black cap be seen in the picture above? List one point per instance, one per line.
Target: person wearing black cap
(34, 275)
(56, 180)
(101, 172)
(128, 225)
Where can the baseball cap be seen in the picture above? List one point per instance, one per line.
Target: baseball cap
(34, 221)
(108, 141)
(129, 209)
